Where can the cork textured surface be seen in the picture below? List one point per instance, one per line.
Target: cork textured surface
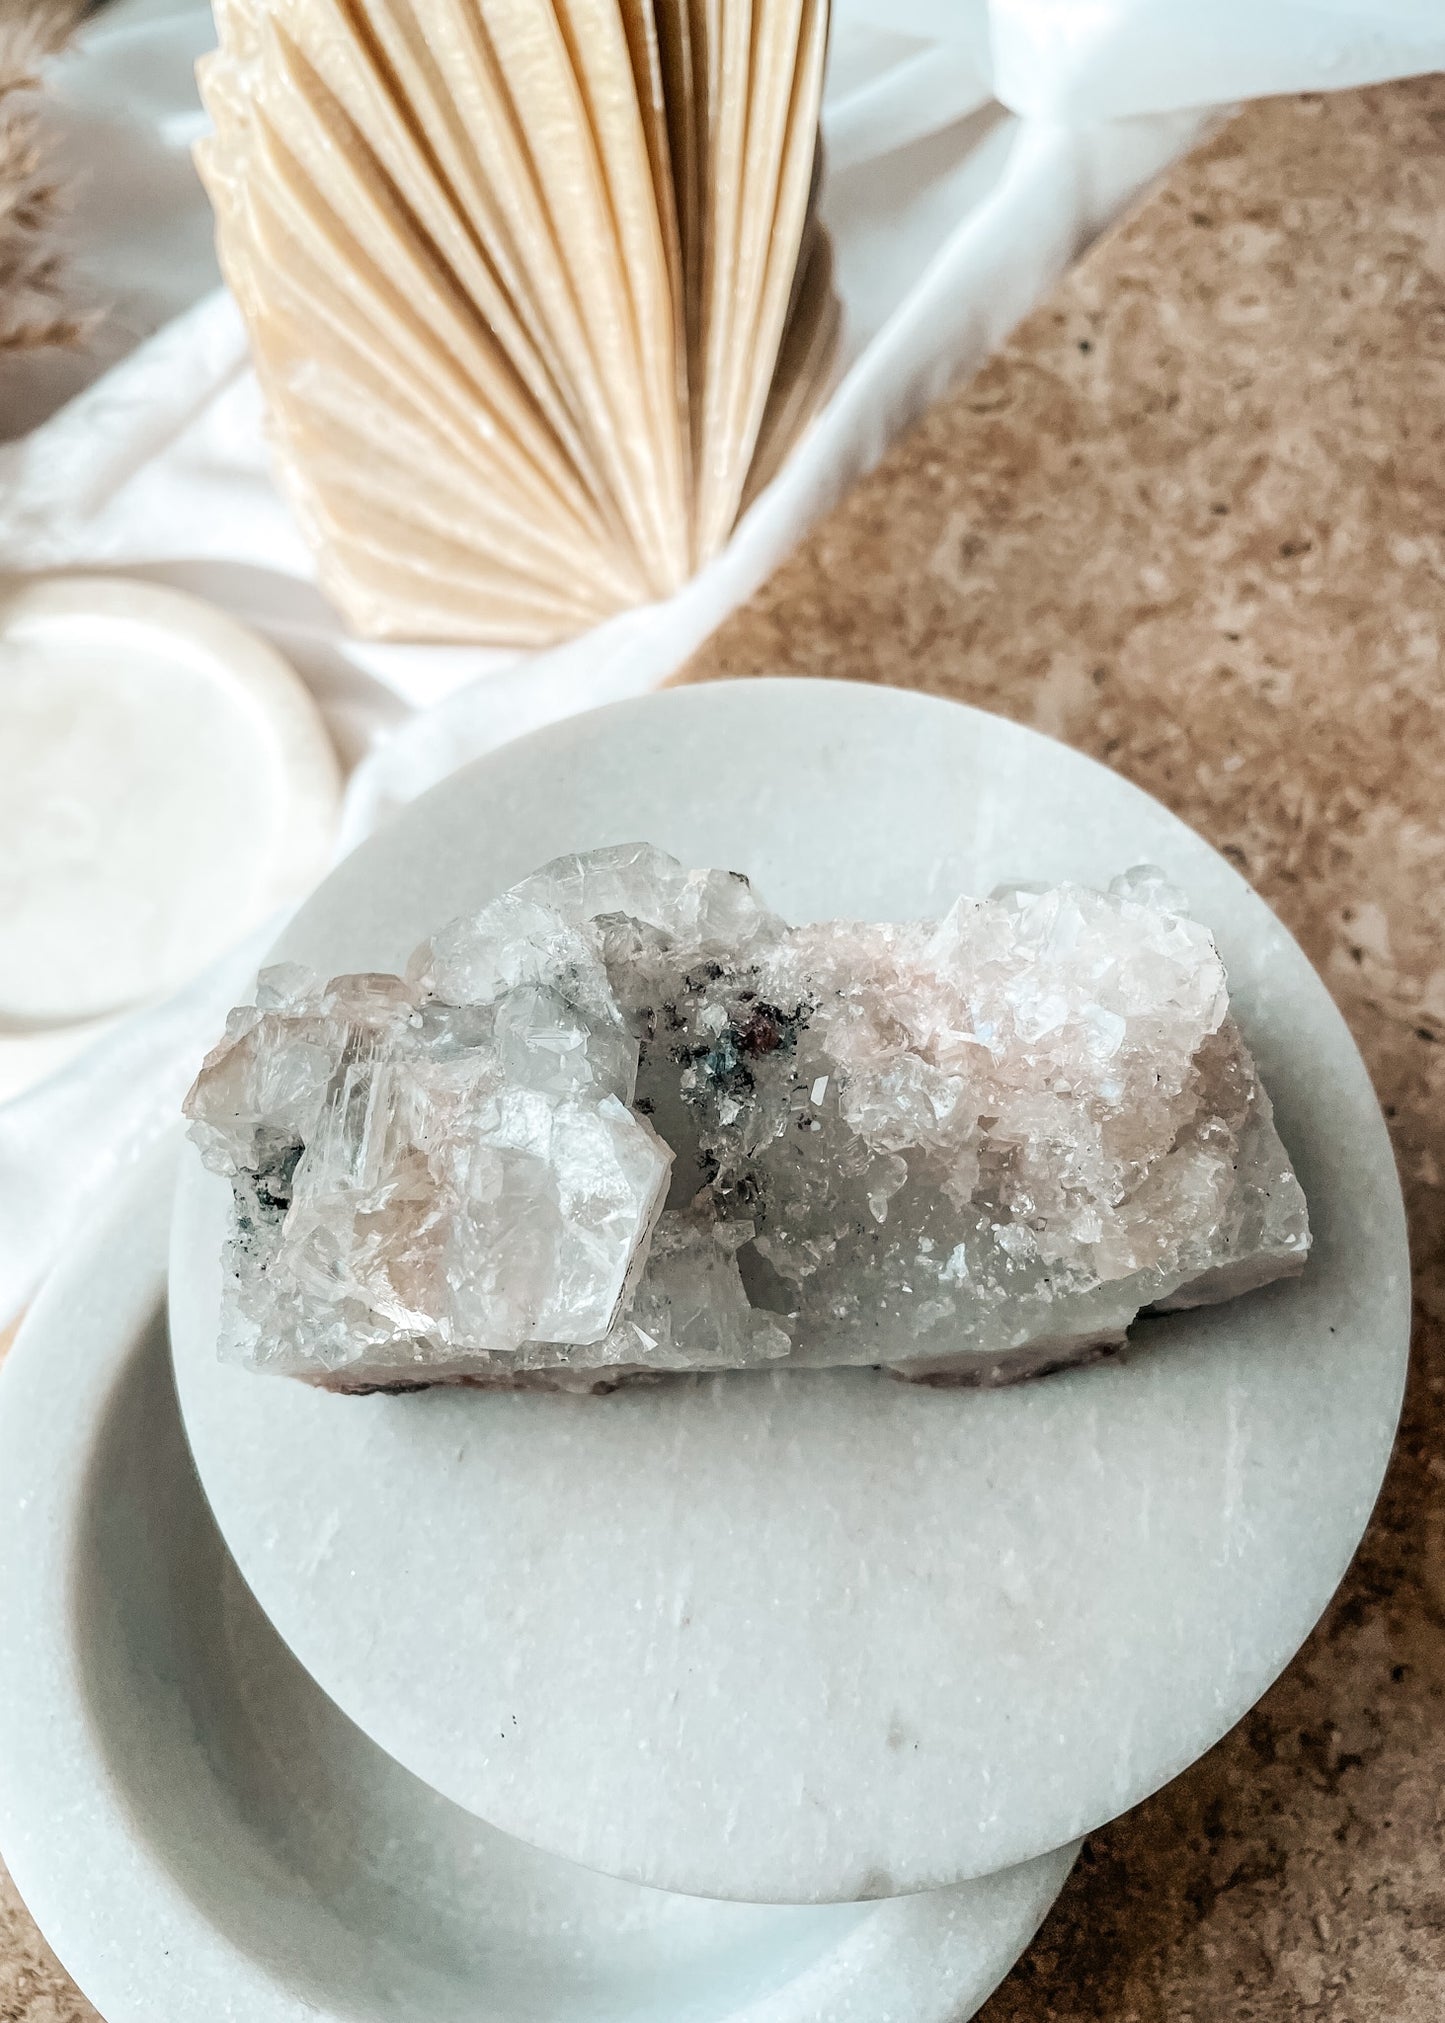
(1192, 520)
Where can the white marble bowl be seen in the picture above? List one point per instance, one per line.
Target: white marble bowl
(820, 1636)
(200, 1832)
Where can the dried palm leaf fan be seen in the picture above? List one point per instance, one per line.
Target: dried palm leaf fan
(536, 288)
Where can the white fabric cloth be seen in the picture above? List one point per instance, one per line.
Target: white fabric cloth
(972, 150)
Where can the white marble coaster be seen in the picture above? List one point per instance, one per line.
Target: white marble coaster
(794, 1638)
(167, 783)
(203, 1835)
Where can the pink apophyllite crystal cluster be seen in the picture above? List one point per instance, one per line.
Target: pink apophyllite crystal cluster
(625, 1120)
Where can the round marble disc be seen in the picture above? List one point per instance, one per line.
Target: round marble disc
(167, 783)
(205, 1837)
(811, 1636)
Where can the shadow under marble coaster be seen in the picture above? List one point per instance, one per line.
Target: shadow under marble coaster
(202, 1833)
(809, 1637)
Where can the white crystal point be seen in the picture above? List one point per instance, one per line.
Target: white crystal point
(422, 1185)
(969, 1148)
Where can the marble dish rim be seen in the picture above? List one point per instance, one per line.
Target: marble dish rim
(1025, 794)
(77, 1821)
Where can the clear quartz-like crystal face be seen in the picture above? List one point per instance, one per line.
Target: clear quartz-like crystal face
(626, 1120)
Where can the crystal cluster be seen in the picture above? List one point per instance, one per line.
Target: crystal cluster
(625, 1120)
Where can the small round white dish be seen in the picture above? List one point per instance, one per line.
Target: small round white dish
(817, 1636)
(168, 782)
(200, 1832)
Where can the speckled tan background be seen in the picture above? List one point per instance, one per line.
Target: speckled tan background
(1193, 520)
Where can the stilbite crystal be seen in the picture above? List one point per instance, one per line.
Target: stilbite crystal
(625, 1120)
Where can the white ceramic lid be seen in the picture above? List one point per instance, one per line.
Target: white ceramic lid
(165, 783)
(202, 1835)
(814, 1636)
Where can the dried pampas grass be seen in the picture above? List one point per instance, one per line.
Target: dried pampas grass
(33, 314)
